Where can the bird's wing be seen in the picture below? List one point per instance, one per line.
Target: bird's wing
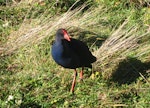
(69, 53)
(82, 50)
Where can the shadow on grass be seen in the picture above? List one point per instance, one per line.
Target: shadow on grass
(129, 70)
(30, 105)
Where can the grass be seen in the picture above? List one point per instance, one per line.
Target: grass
(116, 33)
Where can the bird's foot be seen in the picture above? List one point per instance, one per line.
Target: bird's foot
(72, 91)
(80, 80)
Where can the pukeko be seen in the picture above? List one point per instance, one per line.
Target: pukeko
(71, 53)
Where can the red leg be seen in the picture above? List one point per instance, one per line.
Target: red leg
(81, 74)
(74, 81)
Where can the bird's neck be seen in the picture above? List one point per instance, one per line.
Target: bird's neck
(58, 41)
(57, 38)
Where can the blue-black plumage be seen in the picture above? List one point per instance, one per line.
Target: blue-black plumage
(71, 53)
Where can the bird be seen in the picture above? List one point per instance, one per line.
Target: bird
(71, 53)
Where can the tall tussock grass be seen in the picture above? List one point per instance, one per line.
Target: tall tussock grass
(117, 46)
(34, 30)
(121, 44)
(116, 33)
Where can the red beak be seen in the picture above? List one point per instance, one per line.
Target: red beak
(66, 36)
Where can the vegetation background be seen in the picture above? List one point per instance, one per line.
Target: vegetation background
(117, 32)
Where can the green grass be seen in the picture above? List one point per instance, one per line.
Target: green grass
(118, 34)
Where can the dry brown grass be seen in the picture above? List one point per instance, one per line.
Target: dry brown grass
(118, 47)
(119, 44)
(34, 30)
(122, 41)
(143, 53)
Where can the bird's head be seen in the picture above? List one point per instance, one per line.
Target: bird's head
(62, 34)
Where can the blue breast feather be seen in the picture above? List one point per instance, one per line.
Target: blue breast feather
(57, 53)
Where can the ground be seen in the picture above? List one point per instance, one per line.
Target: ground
(116, 32)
